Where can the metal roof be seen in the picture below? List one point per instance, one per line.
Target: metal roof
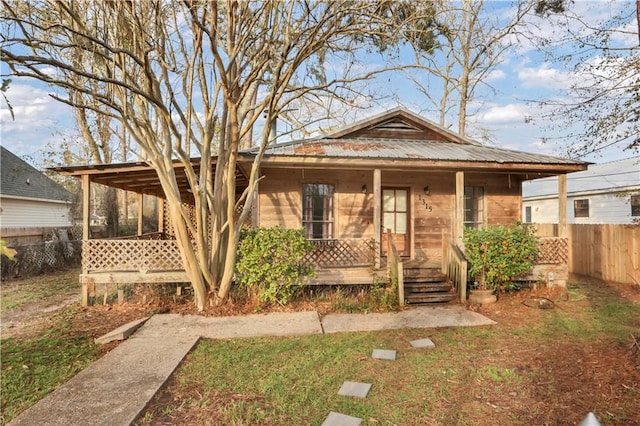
(612, 176)
(379, 148)
(19, 179)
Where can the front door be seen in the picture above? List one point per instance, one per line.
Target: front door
(396, 217)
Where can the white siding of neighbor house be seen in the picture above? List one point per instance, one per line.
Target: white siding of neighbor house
(603, 208)
(15, 213)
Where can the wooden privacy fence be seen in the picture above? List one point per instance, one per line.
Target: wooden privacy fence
(608, 252)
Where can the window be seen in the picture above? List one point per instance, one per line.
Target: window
(317, 213)
(473, 206)
(527, 214)
(581, 208)
(394, 210)
(635, 205)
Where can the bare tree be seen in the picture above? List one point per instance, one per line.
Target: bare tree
(190, 78)
(471, 44)
(601, 108)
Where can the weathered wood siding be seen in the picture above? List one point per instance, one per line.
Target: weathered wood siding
(280, 202)
(502, 196)
(281, 199)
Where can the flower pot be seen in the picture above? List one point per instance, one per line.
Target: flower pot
(482, 297)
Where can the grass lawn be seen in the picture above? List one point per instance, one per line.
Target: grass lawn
(50, 287)
(535, 367)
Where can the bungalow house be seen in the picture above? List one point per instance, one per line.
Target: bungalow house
(606, 193)
(30, 202)
(389, 195)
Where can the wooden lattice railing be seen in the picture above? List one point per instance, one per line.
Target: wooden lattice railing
(342, 253)
(130, 255)
(553, 250)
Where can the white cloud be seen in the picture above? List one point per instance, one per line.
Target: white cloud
(502, 114)
(496, 75)
(38, 118)
(544, 76)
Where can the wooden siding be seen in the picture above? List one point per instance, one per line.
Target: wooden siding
(431, 215)
(502, 196)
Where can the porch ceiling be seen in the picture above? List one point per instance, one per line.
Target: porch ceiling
(141, 178)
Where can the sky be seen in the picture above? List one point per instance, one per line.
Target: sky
(504, 114)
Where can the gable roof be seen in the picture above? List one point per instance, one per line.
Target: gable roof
(613, 176)
(399, 134)
(19, 179)
(399, 123)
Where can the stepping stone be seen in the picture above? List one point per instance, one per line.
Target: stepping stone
(356, 389)
(337, 419)
(384, 354)
(423, 343)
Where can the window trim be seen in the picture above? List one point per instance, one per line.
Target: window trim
(581, 211)
(635, 206)
(481, 202)
(307, 225)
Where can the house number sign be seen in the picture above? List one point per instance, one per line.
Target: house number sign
(428, 207)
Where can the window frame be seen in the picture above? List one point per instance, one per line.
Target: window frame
(325, 194)
(478, 206)
(581, 211)
(634, 200)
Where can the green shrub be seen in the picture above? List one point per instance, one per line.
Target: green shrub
(499, 254)
(271, 260)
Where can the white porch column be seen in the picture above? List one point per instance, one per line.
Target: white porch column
(458, 226)
(377, 207)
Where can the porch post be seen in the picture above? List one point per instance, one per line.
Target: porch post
(377, 206)
(160, 214)
(140, 212)
(87, 287)
(562, 206)
(86, 207)
(458, 226)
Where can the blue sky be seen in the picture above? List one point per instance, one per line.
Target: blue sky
(504, 113)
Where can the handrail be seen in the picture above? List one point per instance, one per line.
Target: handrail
(454, 264)
(395, 268)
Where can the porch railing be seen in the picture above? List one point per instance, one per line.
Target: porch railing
(395, 267)
(553, 250)
(130, 255)
(342, 253)
(454, 264)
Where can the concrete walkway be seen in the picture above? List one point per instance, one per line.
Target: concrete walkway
(115, 389)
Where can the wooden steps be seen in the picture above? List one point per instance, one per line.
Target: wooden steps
(426, 284)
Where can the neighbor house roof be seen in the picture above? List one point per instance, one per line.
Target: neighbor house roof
(614, 176)
(20, 180)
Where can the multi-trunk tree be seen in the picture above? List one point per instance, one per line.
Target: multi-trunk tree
(191, 79)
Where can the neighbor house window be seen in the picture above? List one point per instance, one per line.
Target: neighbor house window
(527, 214)
(317, 213)
(473, 206)
(635, 205)
(581, 208)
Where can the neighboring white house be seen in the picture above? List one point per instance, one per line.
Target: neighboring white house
(28, 198)
(604, 193)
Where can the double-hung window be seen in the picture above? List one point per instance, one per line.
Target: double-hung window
(473, 206)
(317, 211)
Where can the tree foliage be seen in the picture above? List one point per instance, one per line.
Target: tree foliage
(192, 79)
